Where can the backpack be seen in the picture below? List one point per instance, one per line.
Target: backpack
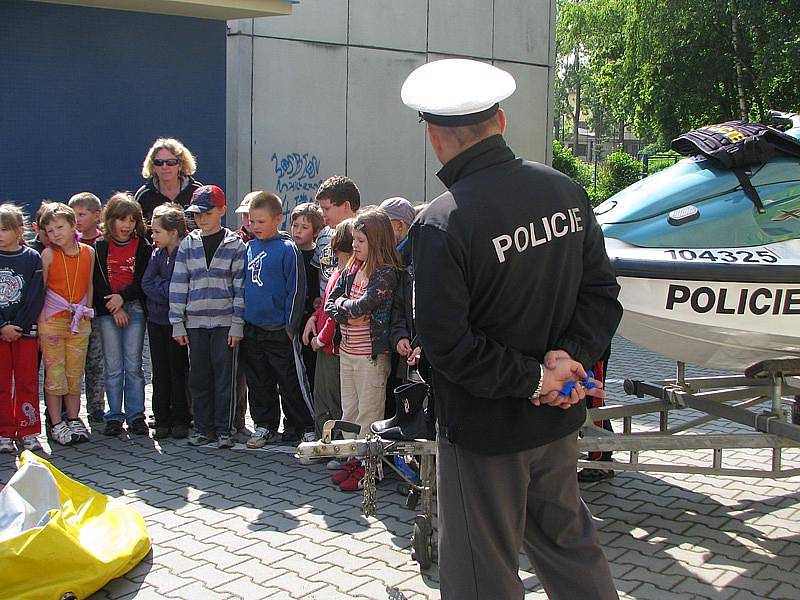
(736, 146)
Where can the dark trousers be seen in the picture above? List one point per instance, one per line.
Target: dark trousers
(309, 361)
(490, 506)
(170, 372)
(600, 372)
(212, 365)
(269, 365)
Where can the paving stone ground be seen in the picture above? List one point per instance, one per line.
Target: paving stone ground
(256, 524)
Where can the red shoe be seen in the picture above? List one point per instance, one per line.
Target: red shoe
(345, 472)
(355, 482)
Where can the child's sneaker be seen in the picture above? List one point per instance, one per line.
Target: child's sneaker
(112, 428)
(78, 430)
(242, 435)
(7, 445)
(62, 434)
(346, 471)
(199, 439)
(224, 441)
(31, 442)
(309, 436)
(261, 437)
(355, 482)
(290, 438)
(336, 464)
(139, 427)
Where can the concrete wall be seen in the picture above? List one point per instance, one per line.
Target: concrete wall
(86, 91)
(318, 93)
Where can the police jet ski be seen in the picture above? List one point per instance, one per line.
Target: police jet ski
(707, 251)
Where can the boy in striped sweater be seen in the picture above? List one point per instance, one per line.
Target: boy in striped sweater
(206, 310)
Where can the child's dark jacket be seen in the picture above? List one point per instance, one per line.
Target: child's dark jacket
(376, 302)
(155, 284)
(101, 280)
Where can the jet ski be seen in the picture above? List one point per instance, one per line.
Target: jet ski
(707, 254)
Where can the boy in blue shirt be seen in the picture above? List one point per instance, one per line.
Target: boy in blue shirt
(274, 292)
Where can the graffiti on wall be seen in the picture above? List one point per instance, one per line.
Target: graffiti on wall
(297, 180)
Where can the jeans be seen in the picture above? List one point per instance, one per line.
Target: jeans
(122, 353)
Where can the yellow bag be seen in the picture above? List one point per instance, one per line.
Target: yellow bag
(58, 536)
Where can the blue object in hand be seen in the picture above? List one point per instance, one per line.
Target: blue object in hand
(587, 383)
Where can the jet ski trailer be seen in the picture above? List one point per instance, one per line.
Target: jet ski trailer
(707, 255)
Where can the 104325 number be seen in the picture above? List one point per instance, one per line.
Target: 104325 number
(726, 256)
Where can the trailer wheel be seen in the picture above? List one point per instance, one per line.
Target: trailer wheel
(422, 542)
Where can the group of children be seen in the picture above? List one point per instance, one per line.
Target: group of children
(308, 320)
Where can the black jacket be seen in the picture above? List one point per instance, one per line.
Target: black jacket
(100, 279)
(149, 197)
(509, 263)
(401, 324)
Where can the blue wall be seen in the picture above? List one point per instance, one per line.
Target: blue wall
(84, 92)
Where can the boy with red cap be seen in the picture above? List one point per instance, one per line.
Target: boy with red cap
(206, 310)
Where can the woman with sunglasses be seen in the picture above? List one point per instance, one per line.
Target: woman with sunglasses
(168, 169)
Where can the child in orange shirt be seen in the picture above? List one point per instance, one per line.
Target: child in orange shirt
(65, 322)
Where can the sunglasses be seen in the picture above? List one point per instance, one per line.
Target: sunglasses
(160, 162)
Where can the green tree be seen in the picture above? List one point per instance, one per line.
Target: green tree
(670, 66)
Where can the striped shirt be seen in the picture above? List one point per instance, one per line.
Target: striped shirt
(207, 296)
(356, 339)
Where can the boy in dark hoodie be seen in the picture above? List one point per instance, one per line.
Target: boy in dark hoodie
(274, 292)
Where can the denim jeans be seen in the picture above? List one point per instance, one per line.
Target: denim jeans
(122, 354)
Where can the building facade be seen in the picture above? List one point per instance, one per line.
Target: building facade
(318, 93)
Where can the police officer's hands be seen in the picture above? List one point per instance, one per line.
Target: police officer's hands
(554, 355)
(558, 369)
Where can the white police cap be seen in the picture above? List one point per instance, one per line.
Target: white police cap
(456, 91)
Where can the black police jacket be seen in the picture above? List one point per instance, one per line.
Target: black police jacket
(509, 263)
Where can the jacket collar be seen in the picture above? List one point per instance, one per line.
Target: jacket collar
(486, 153)
(229, 235)
(184, 180)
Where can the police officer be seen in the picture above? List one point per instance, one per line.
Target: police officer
(514, 296)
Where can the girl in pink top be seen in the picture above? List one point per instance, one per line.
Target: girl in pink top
(361, 303)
